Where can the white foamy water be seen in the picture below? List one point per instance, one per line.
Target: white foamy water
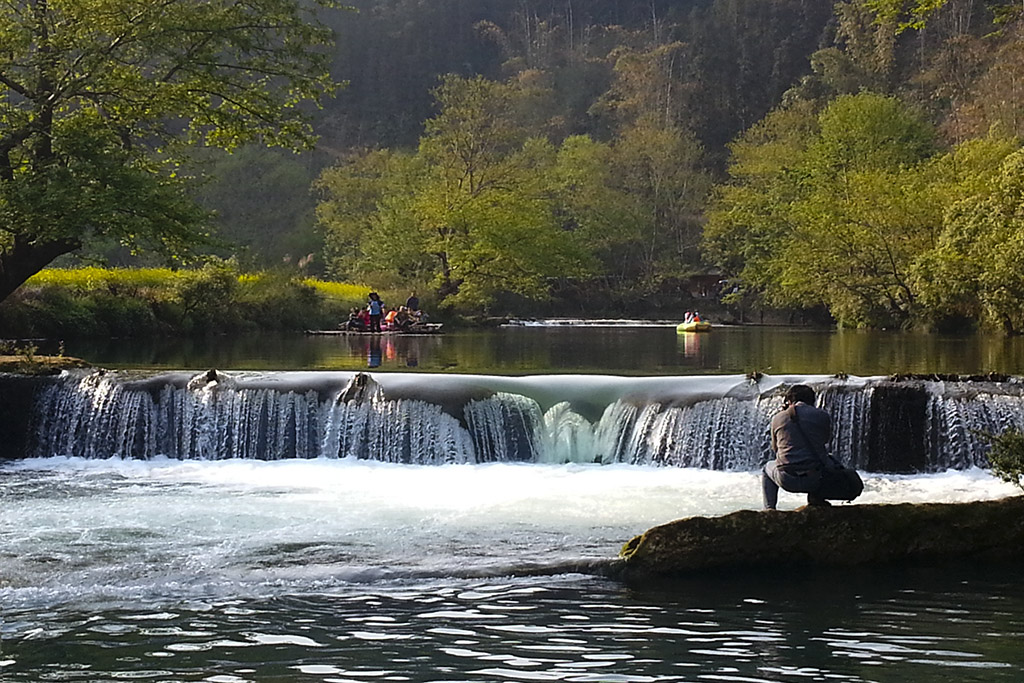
(75, 531)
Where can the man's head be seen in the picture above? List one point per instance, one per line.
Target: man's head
(800, 393)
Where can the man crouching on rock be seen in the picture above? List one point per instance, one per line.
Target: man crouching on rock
(802, 464)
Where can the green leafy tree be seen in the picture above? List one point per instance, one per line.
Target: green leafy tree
(262, 205)
(905, 14)
(658, 161)
(484, 204)
(865, 212)
(855, 244)
(863, 56)
(654, 85)
(591, 199)
(475, 211)
(749, 220)
(869, 131)
(365, 215)
(977, 267)
(98, 99)
(659, 170)
(918, 14)
(1006, 455)
(842, 219)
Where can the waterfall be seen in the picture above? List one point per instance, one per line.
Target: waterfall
(711, 423)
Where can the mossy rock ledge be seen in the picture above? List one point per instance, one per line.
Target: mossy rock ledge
(40, 365)
(842, 535)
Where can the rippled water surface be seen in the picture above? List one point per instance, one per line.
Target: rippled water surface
(352, 571)
(957, 625)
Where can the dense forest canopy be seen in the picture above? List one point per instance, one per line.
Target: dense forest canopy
(810, 155)
(857, 157)
(712, 68)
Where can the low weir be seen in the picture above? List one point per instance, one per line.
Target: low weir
(710, 422)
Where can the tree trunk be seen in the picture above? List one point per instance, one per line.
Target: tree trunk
(24, 259)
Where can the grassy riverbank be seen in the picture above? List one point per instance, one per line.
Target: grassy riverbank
(68, 303)
(216, 299)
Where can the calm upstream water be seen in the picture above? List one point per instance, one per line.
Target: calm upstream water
(338, 570)
(609, 348)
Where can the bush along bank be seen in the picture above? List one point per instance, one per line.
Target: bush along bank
(214, 299)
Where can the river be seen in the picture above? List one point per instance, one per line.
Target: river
(342, 569)
(611, 347)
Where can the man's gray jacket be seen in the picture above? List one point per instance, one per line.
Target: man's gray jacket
(801, 448)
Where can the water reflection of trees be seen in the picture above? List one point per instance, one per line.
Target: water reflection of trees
(638, 350)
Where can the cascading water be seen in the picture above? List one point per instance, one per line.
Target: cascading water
(704, 422)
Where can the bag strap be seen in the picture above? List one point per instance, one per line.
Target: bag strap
(822, 454)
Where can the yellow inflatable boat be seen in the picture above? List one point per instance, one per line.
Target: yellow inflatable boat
(698, 326)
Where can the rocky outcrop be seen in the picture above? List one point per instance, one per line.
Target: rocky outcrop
(829, 536)
(21, 378)
(39, 365)
(17, 394)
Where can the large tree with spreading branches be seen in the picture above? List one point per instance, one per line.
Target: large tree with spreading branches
(100, 101)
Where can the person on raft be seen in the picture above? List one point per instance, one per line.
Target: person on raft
(802, 464)
(358, 320)
(376, 309)
(413, 304)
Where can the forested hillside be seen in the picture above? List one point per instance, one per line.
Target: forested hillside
(857, 156)
(717, 67)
